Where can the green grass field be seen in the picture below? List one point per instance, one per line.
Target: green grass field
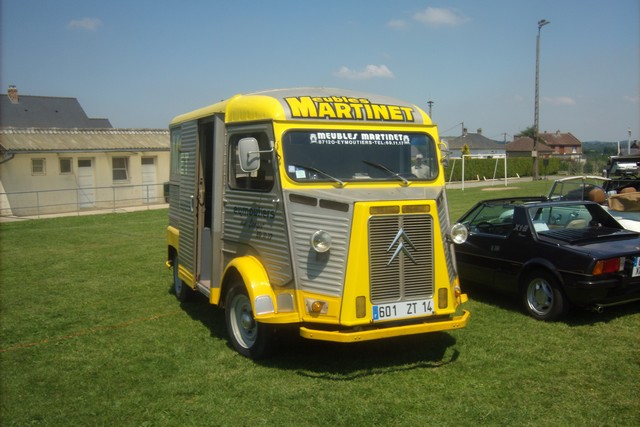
(90, 335)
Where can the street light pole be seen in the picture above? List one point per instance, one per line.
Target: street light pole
(536, 113)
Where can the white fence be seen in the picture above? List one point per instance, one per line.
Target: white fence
(47, 202)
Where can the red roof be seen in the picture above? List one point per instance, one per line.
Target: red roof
(524, 143)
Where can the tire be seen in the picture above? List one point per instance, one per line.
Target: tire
(249, 338)
(180, 289)
(542, 296)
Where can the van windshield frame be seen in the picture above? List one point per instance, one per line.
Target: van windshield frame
(355, 156)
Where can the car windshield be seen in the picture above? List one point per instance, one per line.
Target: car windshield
(342, 156)
(570, 216)
(577, 189)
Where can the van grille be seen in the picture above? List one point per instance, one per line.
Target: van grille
(408, 275)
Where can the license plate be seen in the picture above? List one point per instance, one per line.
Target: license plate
(403, 310)
(636, 267)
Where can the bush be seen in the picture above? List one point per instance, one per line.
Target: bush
(486, 168)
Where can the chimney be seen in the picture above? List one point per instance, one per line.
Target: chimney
(464, 131)
(13, 94)
(479, 131)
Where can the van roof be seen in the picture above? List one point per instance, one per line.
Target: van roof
(312, 103)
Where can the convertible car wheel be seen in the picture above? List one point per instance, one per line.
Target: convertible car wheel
(542, 297)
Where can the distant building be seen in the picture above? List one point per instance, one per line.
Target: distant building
(479, 145)
(53, 158)
(25, 111)
(555, 144)
(562, 144)
(523, 146)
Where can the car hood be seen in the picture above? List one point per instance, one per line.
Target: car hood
(602, 240)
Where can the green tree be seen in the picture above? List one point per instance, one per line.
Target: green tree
(530, 132)
(465, 150)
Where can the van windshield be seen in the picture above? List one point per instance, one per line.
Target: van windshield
(341, 156)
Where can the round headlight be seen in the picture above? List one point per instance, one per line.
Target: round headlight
(321, 241)
(458, 233)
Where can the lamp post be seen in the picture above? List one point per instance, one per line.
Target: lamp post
(536, 128)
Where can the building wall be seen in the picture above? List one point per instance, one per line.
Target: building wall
(27, 193)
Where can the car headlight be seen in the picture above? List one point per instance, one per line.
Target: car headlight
(458, 233)
(321, 241)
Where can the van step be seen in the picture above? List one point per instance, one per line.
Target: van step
(204, 286)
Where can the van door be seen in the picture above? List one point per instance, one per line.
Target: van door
(188, 198)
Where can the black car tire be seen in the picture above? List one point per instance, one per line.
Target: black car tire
(542, 296)
(249, 338)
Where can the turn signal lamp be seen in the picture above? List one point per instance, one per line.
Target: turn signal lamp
(443, 297)
(612, 265)
(361, 307)
(317, 306)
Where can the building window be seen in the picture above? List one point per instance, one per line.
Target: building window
(66, 165)
(120, 167)
(38, 167)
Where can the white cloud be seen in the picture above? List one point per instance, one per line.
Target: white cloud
(87, 24)
(397, 24)
(631, 99)
(436, 17)
(370, 71)
(559, 100)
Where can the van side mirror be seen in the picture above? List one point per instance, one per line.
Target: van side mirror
(444, 149)
(249, 154)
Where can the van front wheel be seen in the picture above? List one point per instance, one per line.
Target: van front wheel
(181, 290)
(250, 338)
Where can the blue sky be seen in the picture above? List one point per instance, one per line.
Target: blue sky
(141, 62)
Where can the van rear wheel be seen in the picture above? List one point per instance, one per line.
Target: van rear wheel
(250, 338)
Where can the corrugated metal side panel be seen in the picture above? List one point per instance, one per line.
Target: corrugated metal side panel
(188, 146)
(320, 273)
(443, 217)
(253, 219)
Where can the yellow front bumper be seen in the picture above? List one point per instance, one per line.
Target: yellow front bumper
(392, 331)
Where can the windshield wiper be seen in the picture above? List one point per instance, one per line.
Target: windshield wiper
(321, 172)
(386, 169)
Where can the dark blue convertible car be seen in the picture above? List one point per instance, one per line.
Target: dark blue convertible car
(553, 254)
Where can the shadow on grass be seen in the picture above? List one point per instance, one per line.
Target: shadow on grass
(338, 361)
(343, 362)
(575, 317)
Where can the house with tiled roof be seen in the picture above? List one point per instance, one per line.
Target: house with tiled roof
(54, 158)
(522, 146)
(562, 143)
(479, 145)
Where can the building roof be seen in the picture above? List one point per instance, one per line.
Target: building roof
(475, 141)
(524, 143)
(82, 140)
(558, 138)
(26, 111)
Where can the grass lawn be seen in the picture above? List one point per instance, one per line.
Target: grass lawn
(90, 335)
